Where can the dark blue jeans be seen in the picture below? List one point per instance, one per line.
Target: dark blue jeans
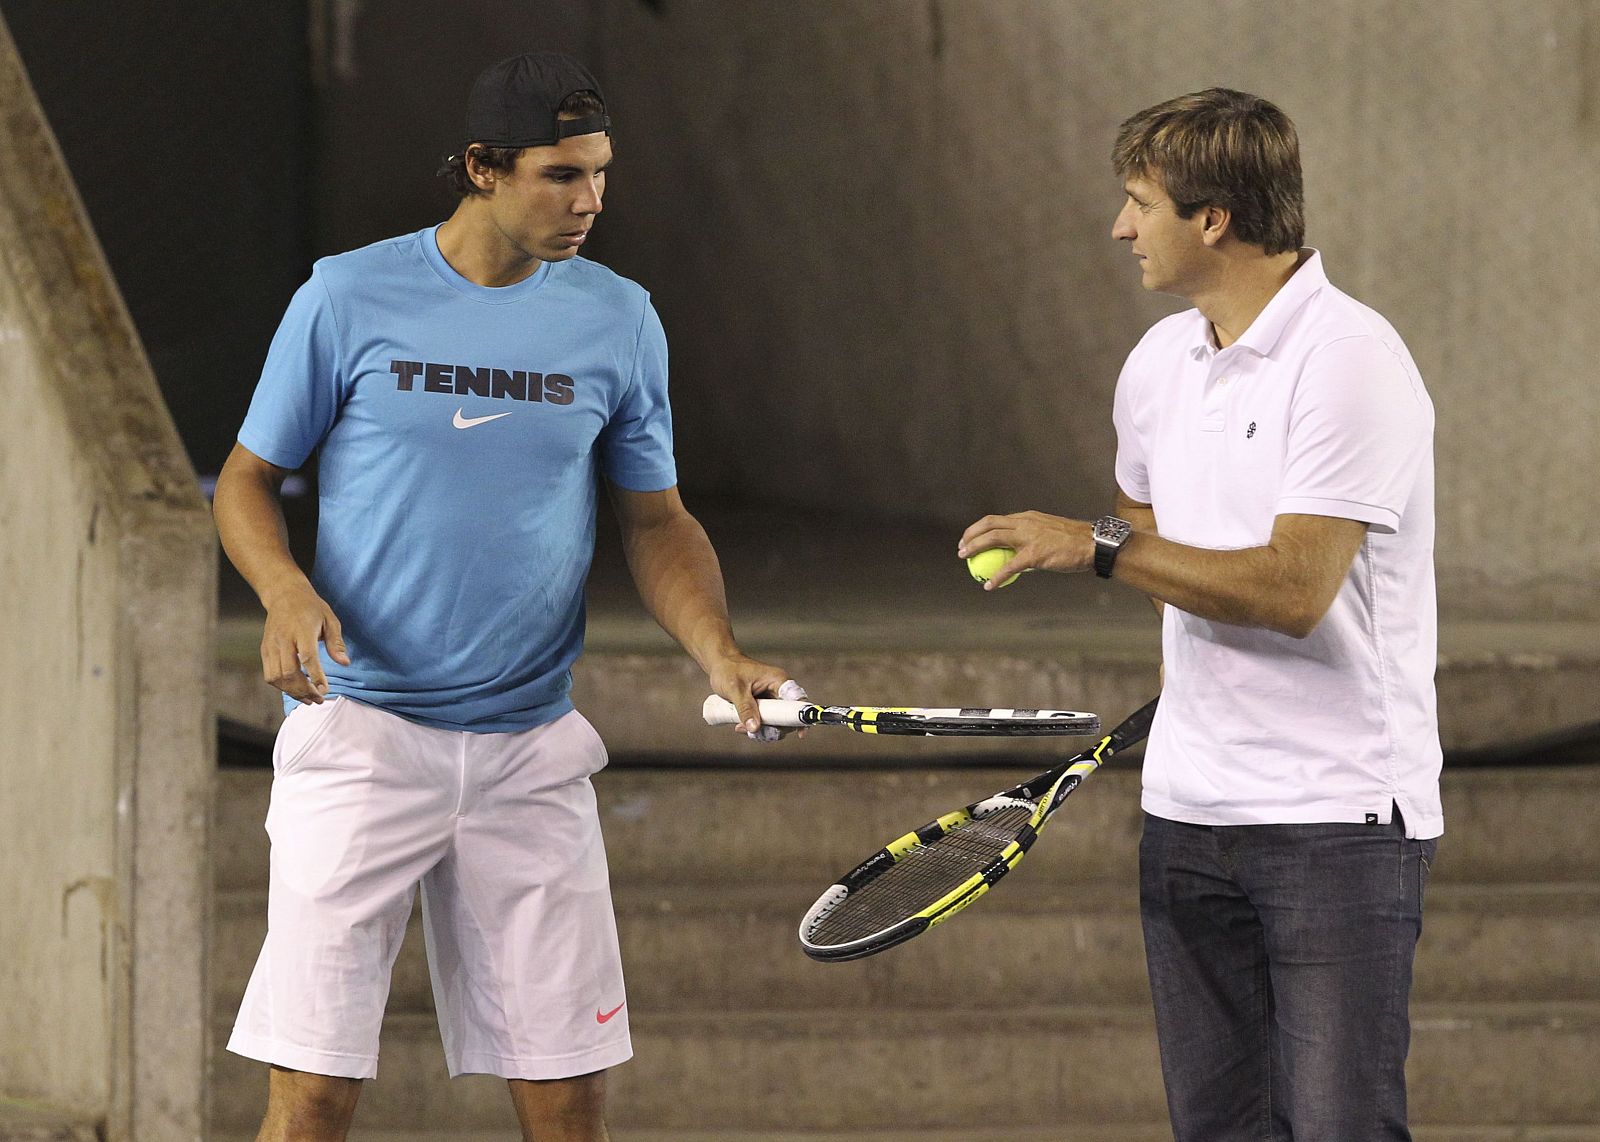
(1280, 962)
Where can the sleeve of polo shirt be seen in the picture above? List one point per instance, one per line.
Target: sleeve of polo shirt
(302, 384)
(1132, 470)
(1359, 428)
(636, 444)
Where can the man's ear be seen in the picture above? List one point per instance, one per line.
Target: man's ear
(1214, 223)
(482, 177)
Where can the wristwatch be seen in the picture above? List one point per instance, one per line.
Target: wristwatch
(1110, 533)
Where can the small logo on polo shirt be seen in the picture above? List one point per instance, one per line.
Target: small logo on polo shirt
(1251, 431)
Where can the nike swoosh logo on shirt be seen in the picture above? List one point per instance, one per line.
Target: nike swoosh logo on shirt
(605, 1016)
(469, 421)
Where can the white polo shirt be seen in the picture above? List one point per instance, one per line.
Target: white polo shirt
(1318, 409)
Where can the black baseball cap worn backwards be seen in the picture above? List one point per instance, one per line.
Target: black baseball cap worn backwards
(514, 102)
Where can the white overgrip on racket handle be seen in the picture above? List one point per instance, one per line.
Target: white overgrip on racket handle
(718, 711)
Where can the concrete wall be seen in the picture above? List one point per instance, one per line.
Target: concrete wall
(877, 231)
(106, 743)
(881, 229)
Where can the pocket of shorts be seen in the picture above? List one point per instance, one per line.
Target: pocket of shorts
(602, 756)
(301, 730)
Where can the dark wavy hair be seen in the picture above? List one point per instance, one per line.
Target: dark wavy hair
(502, 159)
(1222, 148)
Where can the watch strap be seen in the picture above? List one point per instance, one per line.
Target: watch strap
(1110, 533)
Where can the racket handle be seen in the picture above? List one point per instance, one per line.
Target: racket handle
(1136, 726)
(718, 711)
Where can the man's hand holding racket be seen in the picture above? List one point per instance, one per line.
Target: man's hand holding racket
(1041, 542)
(742, 681)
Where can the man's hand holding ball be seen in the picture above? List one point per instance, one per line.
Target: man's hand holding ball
(986, 564)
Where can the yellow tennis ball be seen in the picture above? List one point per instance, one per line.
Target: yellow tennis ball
(985, 564)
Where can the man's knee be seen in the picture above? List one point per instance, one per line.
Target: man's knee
(575, 1106)
(305, 1105)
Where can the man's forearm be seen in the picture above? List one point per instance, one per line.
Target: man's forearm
(1285, 585)
(680, 582)
(1279, 587)
(1143, 518)
(250, 523)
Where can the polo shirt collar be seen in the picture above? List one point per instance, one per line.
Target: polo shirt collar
(1268, 327)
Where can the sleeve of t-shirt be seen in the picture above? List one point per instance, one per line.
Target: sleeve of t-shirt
(636, 444)
(1132, 471)
(1359, 427)
(302, 384)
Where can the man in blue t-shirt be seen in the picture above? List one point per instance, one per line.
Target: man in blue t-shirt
(464, 388)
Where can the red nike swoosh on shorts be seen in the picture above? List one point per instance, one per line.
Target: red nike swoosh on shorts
(605, 1016)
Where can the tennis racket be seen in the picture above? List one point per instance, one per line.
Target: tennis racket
(930, 874)
(914, 721)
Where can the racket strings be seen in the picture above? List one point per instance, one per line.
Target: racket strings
(921, 877)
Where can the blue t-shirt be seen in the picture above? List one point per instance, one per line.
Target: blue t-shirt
(461, 430)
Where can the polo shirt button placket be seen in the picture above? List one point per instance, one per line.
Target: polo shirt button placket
(1215, 412)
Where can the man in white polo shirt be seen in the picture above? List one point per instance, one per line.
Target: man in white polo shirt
(1275, 500)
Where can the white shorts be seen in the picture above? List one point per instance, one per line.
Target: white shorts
(502, 832)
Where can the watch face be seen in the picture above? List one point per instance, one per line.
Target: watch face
(1109, 529)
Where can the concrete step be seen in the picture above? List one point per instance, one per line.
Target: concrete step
(26, 1121)
(724, 825)
(1528, 825)
(1022, 1067)
(1498, 682)
(689, 947)
(1156, 1132)
(991, 1133)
